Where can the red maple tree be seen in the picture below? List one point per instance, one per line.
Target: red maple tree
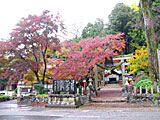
(83, 55)
(30, 43)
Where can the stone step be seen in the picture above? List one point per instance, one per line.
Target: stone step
(108, 101)
(112, 85)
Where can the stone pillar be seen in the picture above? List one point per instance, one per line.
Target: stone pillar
(82, 91)
(78, 91)
(146, 89)
(88, 93)
(135, 92)
(151, 89)
(157, 89)
(140, 90)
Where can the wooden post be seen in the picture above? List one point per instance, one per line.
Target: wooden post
(96, 78)
(146, 88)
(135, 90)
(140, 90)
(152, 89)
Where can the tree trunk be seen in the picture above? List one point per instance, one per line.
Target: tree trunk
(37, 76)
(45, 69)
(152, 43)
(45, 63)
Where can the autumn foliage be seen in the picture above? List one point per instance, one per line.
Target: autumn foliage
(139, 61)
(83, 55)
(27, 54)
(31, 41)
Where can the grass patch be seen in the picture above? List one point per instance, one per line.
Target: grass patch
(41, 95)
(4, 96)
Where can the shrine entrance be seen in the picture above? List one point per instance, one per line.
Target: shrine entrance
(112, 81)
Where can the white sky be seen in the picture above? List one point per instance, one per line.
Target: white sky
(75, 13)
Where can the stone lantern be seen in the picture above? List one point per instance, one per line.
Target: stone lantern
(126, 88)
(19, 90)
(90, 82)
(89, 88)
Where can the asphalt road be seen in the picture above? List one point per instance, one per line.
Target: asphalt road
(11, 111)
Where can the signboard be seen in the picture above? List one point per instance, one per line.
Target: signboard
(64, 86)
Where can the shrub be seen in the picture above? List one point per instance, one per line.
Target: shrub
(4, 98)
(149, 89)
(15, 90)
(39, 88)
(142, 76)
(46, 90)
(143, 83)
(154, 98)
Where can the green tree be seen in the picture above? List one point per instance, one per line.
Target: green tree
(93, 30)
(123, 19)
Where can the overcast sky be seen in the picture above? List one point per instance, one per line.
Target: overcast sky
(74, 12)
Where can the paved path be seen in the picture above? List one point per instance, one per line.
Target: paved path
(111, 92)
(94, 111)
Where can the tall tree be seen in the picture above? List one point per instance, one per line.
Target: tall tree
(123, 19)
(29, 45)
(94, 29)
(150, 20)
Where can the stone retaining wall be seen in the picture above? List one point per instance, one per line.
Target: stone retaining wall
(139, 98)
(55, 100)
(66, 100)
(32, 100)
